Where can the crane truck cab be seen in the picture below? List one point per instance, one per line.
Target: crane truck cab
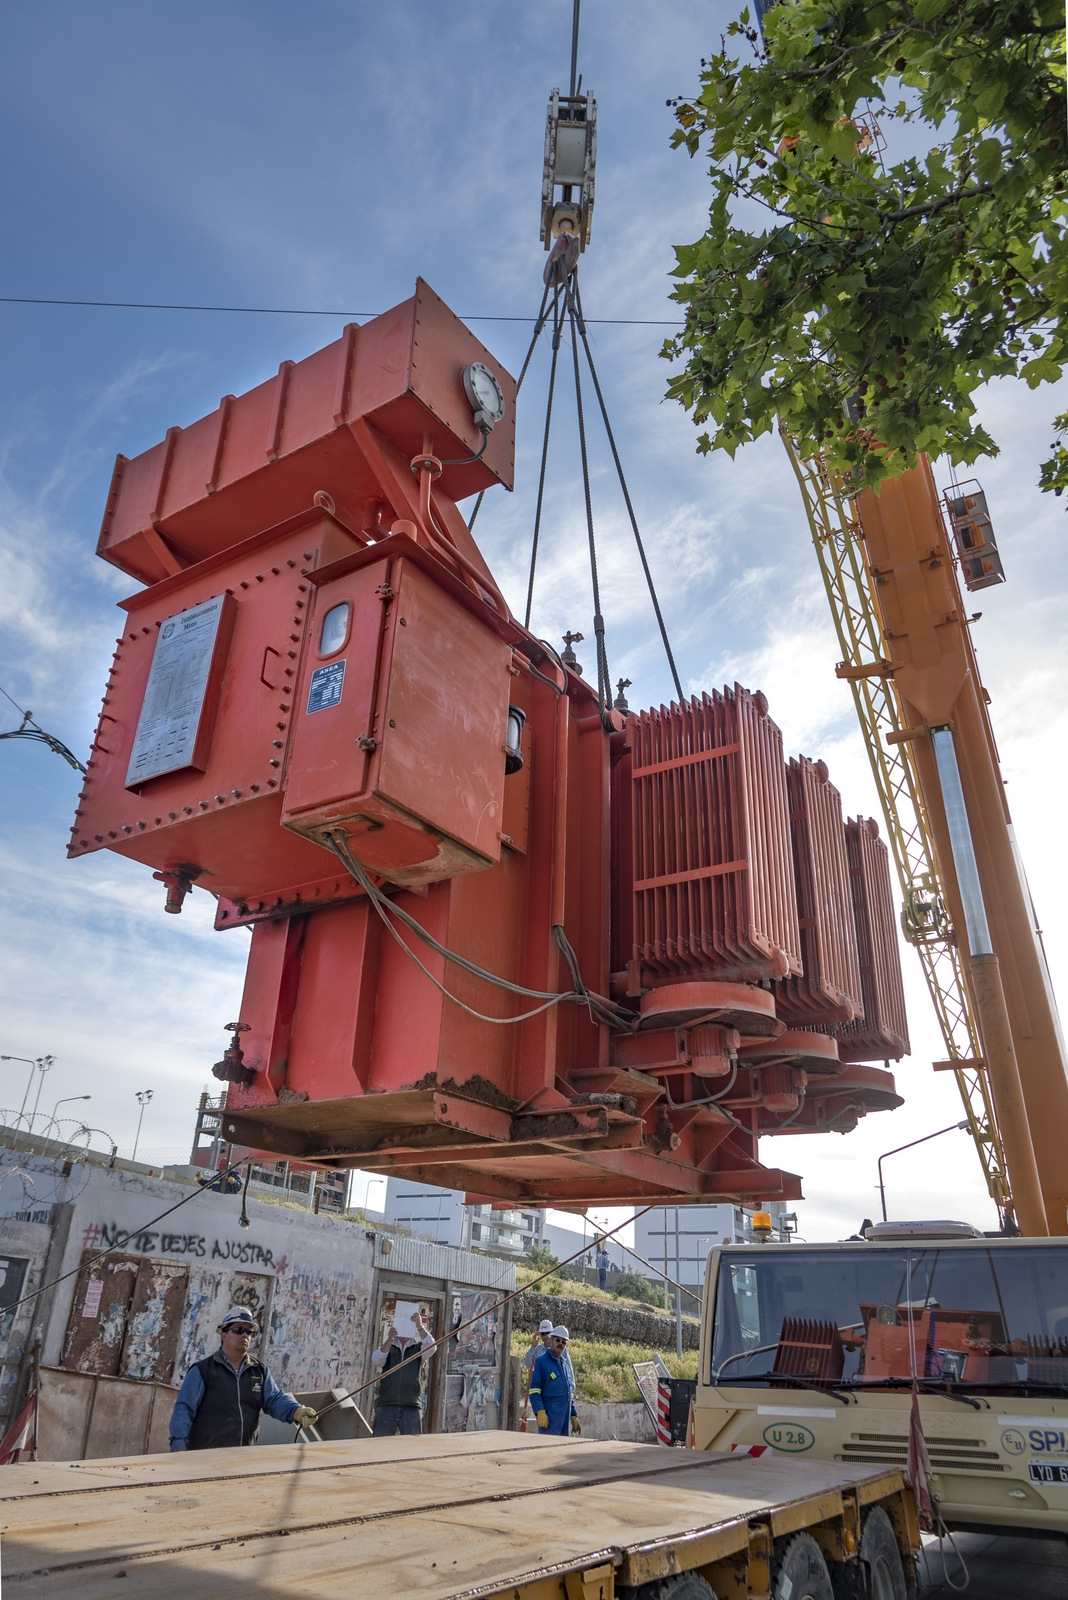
(813, 1351)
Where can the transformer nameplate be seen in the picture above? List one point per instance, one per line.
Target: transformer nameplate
(326, 686)
(172, 713)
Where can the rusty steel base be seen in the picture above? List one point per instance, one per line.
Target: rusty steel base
(590, 1154)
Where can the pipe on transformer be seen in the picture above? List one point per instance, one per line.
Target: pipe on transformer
(988, 994)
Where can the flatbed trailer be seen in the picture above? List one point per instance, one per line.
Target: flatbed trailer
(438, 1518)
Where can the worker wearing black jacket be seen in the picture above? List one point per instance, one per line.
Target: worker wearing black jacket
(221, 1397)
(399, 1391)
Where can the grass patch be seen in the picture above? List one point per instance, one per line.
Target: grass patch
(603, 1367)
(575, 1290)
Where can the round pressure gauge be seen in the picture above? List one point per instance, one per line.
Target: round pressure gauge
(484, 394)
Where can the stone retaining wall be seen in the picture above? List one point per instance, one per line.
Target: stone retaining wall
(600, 1319)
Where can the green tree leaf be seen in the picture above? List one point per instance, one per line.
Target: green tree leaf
(885, 288)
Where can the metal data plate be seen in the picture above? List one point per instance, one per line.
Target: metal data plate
(177, 686)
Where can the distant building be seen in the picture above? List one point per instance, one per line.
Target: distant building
(700, 1229)
(284, 1180)
(441, 1216)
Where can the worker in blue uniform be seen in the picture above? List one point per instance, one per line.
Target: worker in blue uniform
(552, 1387)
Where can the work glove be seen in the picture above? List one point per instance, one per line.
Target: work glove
(576, 1425)
(305, 1417)
(543, 1419)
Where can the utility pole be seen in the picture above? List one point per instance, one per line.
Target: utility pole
(678, 1291)
(667, 1302)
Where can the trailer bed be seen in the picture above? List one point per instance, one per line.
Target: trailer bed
(434, 1518)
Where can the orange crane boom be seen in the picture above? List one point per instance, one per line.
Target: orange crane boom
(891, 577)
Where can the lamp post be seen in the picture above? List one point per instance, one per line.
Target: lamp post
(937, 1135)
(66, 1100)
(33, 1065)
(143, 1098)
(43, 1065)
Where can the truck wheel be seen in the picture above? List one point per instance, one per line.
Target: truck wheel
(800, 1572)
(875, 1573)
(686, 1586)
(880, 1554)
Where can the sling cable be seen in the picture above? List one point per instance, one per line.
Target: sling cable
(566, 211)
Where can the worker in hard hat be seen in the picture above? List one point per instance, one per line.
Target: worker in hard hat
(552, 1387)
(221, 1397)
(539, 1343)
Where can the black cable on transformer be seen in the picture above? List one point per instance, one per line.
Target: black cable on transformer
(626, 496)
(538, 326)
(603, 679)
(557, 324)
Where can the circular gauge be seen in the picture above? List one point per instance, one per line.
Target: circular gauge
(484, 393)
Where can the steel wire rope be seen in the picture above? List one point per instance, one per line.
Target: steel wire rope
(603, 679)
(549, 1272)
(385, 907)
(557, 329)
(626, 495)
(538, 327)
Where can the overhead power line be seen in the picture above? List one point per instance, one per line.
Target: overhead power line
(306, 311)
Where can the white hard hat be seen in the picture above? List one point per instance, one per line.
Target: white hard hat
(240, 1317)
(560, 1332)
(546, 1325)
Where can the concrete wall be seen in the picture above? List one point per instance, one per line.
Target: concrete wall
(601, 1319)
(310, 1276)
(616, 1419)
(315, 1284)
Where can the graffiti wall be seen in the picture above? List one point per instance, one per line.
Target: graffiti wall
(317, 1327)
(473, 1382)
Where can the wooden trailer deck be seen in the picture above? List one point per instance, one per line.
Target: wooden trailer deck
(432, 1518)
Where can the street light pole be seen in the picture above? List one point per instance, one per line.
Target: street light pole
(143, 1097)
(43, 1065)
(911, 1143)
(33, 1065)
(66, 1100)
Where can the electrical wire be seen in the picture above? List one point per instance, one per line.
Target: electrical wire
(626, 494)
(305, 311)
(387, 910)
(33, 730)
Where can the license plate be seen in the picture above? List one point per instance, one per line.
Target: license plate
(1048, 1471)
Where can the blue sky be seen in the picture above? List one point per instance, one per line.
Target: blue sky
(322, 156)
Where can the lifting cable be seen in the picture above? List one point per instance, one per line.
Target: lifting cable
(538, 326)
(557, 328)
(626, 494)
(603, 680)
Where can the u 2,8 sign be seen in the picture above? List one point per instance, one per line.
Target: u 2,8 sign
(789, 1436)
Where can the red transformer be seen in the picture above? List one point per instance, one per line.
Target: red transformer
(503, 939)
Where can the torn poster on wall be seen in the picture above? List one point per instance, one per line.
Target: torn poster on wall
(473, 1384)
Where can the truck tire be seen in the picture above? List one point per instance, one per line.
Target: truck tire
(799, 1571)
(876, 1572)
(685, 1586)
(880, 1554)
